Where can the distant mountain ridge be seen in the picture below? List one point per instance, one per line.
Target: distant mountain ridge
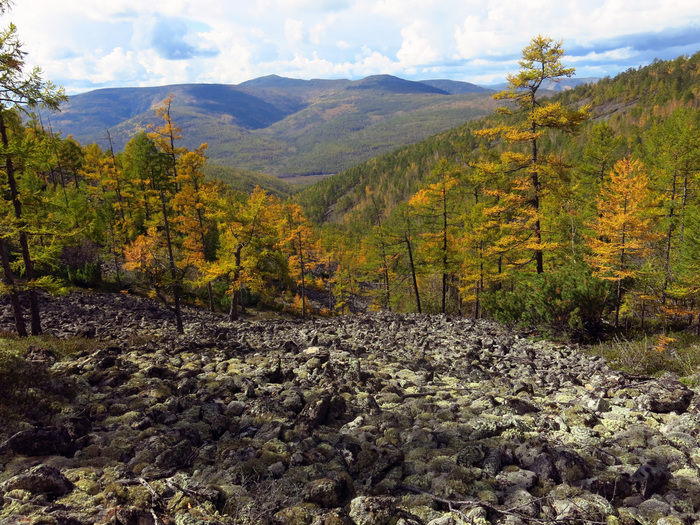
(562, 84)
(454, 87)
(282, 126)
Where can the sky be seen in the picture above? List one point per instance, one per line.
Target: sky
(89, 44)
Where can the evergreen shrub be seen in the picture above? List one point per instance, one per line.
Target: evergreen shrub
(569, 301)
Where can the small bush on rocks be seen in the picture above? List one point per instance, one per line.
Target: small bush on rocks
(18, 378)
(569, 301)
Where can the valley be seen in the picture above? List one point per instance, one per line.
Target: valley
(279, 126)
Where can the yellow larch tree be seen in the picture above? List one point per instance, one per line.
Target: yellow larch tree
(298, 241)
(522, 163)
(247, 237)
(193, 203)
(623, 232)
(436, 204)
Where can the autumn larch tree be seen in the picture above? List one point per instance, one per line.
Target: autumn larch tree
(480, 263)
(246, 225)
(673, 156)
(109, 195)
(436, 204)
(165, 136)
(298, 237)
(142, 166)
(623, 231)
(377, 240)
(541, 63)
(155, 247)
(18, 90)
(401, 229)
(191, 203)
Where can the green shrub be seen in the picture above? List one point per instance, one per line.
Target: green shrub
(80, 264)
(570, 301)
(86, 275)
(19, 380)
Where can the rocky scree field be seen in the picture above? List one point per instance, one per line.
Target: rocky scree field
(376, 419)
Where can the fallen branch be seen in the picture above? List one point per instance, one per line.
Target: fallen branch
(513, 511)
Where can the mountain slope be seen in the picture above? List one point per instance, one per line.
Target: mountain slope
(454, 88)
(627, 101)
(88, 115)
(281, 126)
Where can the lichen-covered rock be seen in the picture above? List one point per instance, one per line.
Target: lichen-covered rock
(367, 419)
(41, 442)
(650, 478)
(314, 413)
(301, 514)
(40, 480)
(649, 512)
(450, 519)
(665, 395)
(515, 478)
(334, 517)
(372, 510)
(329, 493)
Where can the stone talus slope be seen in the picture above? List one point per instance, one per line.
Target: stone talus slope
(367, 420)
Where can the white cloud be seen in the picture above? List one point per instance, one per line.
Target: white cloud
(294, 31)
(416, 48)
(314, 5)
(117, 65)
(406, 9)
(320, 30)
(91, 42)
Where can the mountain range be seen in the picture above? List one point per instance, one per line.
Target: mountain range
(281, 126)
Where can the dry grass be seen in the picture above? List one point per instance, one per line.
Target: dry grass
(653, 355)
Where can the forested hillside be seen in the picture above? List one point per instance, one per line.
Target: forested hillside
(575, 213)
(466, 222)
(280, 126)
(625, 102)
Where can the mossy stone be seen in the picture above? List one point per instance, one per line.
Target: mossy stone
(118, 491)
(88, 486)
(300, 514)
(269, 457)
(422, 481)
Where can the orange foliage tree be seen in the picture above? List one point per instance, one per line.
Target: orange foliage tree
(623, 233)
(523, 163)
(247, 238)
(191, 203)
(437, 204)
(299, 243)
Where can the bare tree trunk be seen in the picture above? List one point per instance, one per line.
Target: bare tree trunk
(173, 268)
(539, 257)
(23, 241)
(303, 277)
(387, 289)
(9, 281)
(669, 240)
(236, 295)
(413, 274)
(444, 250)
